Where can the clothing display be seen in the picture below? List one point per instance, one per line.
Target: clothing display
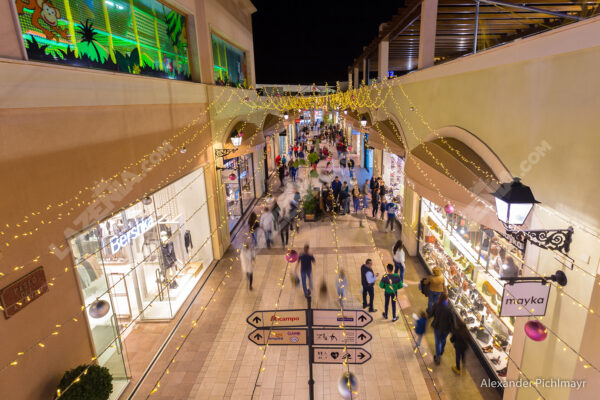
(187, 237)
(168, 255)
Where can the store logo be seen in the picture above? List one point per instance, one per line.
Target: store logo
(118, 242)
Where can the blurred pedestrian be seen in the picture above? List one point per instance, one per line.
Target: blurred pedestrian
(420, 326)
(443, 322)
(253, 226)
(247, 260)
(267, 224)
(356, 198)
(306, 261)
(341, 283)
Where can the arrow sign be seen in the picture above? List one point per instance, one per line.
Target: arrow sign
(279, 337)
(351, 318)
(333, 355)
(275, 319)
(335, 337)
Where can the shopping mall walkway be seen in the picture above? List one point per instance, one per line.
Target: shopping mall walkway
(217, 361)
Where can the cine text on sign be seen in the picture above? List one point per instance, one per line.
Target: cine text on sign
(278, 336)
(336, 337)
(335, 318)
(272, 318)
(333, 355)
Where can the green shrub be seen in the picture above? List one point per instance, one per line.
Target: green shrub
(313, 158)
(314, 174)
(95, 384)
(310, 204)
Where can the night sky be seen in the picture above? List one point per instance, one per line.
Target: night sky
(313, 41)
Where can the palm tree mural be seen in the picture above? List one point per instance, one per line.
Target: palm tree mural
(88, 44)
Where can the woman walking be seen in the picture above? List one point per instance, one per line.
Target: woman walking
(247, 260)
(399, 259)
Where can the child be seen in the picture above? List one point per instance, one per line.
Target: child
(390, 282)
(420, 326)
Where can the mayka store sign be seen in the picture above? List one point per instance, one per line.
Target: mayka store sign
(118, 242)
(524, 299)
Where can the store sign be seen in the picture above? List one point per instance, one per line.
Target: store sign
(21, 293)
(524, 299)
(118, 242)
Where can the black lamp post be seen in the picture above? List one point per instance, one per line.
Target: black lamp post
(514, 202)
(236, 141)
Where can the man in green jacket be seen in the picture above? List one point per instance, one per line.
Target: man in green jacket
(390, 282)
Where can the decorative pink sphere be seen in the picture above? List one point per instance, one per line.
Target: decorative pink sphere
(349, 148)
(232, 177)
(291, 256)
(535, 330)
(449, 208)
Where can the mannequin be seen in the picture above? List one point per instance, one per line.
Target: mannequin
(169, 259)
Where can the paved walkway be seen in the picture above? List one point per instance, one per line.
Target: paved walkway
(217, 361)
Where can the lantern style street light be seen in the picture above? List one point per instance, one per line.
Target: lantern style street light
(236, 141)
(514, 202)
(286, 115)
(363, 121)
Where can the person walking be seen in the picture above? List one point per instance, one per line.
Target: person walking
(382, 207)
(459, 339)
(368, 278)
(399, 259)
(305, 261)
(375, 202)
(390, 283)
(420, 326)
(437, 286)
(284, 229)
(365, 193)
(442, 324)
(345, 198)
(293, 171)
(336, 188)
(247, 260)
(392, 209)
(296, 151)
(281, 172)
(351, 167)
(267, 224)
(356, 198)
(253, 226)
(341, 283)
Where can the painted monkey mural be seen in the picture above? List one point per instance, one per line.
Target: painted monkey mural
(43, 10)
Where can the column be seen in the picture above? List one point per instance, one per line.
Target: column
(410, 221)
(427, 34)
(355, 86)
(350, 79)
(365, 76)
(383, 60)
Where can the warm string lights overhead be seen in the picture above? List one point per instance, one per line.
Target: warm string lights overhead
(106, 194)
(75, 201)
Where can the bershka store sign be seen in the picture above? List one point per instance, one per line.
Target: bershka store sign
(524, 299)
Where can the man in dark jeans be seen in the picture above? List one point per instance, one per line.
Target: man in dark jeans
(367, 278)
(306, 261)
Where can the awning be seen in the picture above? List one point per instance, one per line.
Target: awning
(251, 137)
(469, 191)
(383, 137)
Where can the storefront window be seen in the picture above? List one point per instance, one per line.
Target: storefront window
(141, 37)
(229, 63)
(143, 262)
(472, 259)
(393, 173)
(238, 178)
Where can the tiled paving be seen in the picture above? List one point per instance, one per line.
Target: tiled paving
(217, 361)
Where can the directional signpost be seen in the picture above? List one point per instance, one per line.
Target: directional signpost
(341, 337)
(333, 355)
(295, 327)
(278, 336)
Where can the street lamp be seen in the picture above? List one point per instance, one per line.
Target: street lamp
(345, 112)
(363, 121)
(514, 202)
(236, 141)
(286, 115)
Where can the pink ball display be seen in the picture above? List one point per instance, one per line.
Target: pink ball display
(449, 208)
(291, 256)
(232, 177)
(535, 330)
(349, 148)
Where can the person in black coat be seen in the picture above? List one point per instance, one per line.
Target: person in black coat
(460, 339)
(443, 323)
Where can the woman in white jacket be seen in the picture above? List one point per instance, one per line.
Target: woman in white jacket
(399, 259)
(247, 259)
(267, 224)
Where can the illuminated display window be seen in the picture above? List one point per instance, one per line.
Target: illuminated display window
(229, 63)
(142, 37)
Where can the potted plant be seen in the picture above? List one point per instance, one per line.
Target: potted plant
(313, 159)
(90, 382)
(310, 207)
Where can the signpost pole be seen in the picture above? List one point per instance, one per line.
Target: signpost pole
(309, 339)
